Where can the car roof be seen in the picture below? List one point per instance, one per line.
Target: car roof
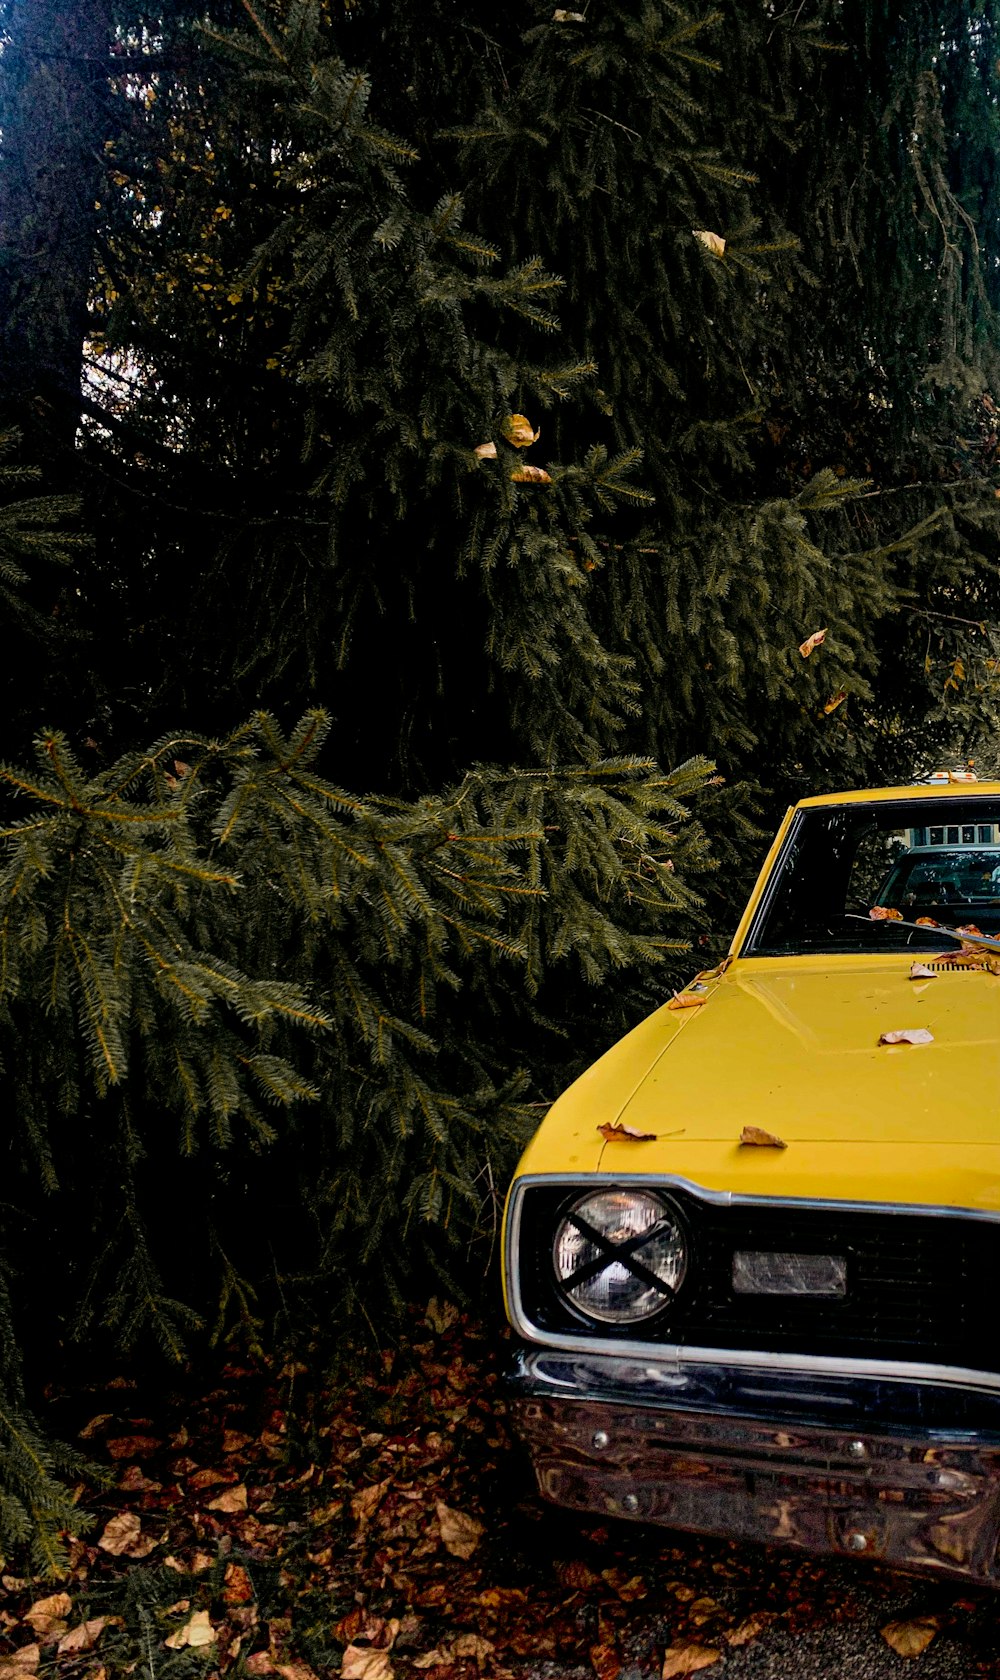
(870, 796)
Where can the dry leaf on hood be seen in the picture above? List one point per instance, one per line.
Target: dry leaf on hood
(908, 1035)
(517, 430)
(909, 1639)
(47, 1616)
(613, 1131)
(816, 640)
(884, 913)
(530, 475)
(686, 1000)
(687, 1659)
(361, 1663)
(234, 1499)
(834, 701)
(920, 971)
(196, 1631)
(123, 1537)
(925, 921)
(713, 242)
(760, 1139)
(460, 1534)
(82, 1638)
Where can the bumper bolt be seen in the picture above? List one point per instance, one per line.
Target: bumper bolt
(630, 1502)
(856, 1541)
(600, 1440)
(857, 1449)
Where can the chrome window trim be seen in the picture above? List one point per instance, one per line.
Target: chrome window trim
(664, 1354)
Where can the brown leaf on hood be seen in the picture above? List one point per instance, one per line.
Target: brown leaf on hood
(920, 971)
(759, 1139)
(909, 1639)
(686, 1000)
(687, 1659)
(613, 1131)
(460, 1535)
(907, 1035)
(884, 913)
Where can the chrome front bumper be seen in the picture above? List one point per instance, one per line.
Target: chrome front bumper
(905, 1472)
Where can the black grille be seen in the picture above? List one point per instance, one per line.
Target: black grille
(918, 1287)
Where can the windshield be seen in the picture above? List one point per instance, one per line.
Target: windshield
(922, 861)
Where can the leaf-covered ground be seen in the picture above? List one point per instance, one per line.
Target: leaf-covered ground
(383, 1527)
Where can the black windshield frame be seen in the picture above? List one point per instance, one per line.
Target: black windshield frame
(807, 908)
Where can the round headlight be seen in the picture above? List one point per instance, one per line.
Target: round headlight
(620, 1255)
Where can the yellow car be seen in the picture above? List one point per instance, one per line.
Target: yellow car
(752, 1256)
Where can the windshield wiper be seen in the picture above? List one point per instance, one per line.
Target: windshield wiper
(979, 939)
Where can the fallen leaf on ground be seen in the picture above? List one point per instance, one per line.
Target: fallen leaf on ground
(47, 1616)
(440, 1315)
(605, 1661)
(123, 1537)
(132, 1446)
(82, 1638)
(294, 1671)
(362, 1663)
(750, 1628)
(92, 1428)
(234, 1440)
(756, 1136)
(884, 913)
(367, 1501)
(202, 1479)
(613, 1131)
(816, 640)
(234, 1499)
(715, 243)
(687, 1659)
(909, 1639)
(20, 1663)
(196, 1631)
(471, 1645)
(920, 971)
(460, 1534)
(238, 1588)
(908, 1035)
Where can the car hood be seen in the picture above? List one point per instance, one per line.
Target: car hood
(793, 1047)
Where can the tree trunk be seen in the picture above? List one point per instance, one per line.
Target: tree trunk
(53, 114)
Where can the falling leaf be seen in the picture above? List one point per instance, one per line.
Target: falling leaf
(920, 971)
(361, 1663)
(761, 1139)
(713, 242)
(196, 1631)
(909, 1639)
(527, 474)
(907, 1035)
(518, 431)
(123, 1537)
(561, 16)
(82, 1638)
(613, 1131)
(834, 701)
(47, 1616)
(884, 913)
(686, 1000)
(234, 1499)
(486, 451)
(460, 1534)
(812, 642)
(687, 1659)
(367, 1501)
